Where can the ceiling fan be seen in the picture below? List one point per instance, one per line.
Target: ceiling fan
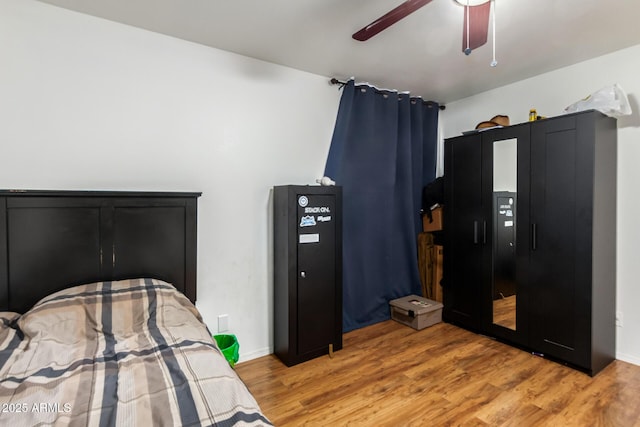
(474, 31)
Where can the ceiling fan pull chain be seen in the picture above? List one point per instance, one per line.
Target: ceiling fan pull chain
(467, 12)
(493, 16)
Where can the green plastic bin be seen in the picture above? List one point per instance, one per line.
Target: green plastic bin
(229, 346)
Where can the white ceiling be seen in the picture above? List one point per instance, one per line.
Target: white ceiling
(421, 53)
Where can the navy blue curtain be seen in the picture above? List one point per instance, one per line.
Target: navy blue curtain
(382, 153)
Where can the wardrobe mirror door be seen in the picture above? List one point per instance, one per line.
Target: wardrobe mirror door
(504, 286)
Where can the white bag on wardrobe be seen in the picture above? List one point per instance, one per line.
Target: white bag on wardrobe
(610, 100)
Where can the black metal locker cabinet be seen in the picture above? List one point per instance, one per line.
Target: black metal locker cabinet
(504, 258)
(307, 271)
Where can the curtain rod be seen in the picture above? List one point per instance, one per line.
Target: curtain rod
(335, 81)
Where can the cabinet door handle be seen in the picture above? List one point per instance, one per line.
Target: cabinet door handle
(484, 232)
(534, 236)
(475, 232)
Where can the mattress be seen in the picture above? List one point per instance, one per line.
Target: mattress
(126, 353)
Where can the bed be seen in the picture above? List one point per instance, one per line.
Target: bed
(97, 318)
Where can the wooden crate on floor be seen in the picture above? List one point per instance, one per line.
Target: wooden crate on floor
(430, 267)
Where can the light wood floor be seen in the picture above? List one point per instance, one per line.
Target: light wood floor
(504, 312)
(391, 375)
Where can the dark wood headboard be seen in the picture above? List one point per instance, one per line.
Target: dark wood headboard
(52, 240)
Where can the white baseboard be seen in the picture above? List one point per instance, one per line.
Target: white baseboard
(634, 360)
(245, 357)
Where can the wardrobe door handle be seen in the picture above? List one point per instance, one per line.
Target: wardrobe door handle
(534, 236)
(475, 232)
(484, 232)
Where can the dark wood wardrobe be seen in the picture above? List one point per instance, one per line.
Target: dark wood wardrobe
(530, 250)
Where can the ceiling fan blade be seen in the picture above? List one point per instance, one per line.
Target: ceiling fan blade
(478, 26)
(389, 19)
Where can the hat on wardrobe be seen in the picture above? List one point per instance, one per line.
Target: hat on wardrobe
(495, 121)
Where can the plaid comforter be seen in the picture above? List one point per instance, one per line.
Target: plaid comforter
(126, 353)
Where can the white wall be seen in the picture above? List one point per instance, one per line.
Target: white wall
(90, 104)
(550, 93)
